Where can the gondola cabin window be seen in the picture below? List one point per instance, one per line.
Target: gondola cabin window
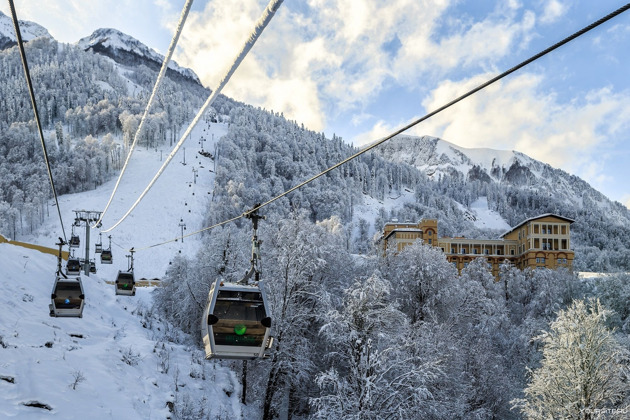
(68, 295)
(125, 281)
(239, 315)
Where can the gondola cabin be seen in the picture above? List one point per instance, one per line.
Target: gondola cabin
(73, 267)
(67, 298)
(98, 248)
(236, 322)
(74, 241)
(106, 257)
(125, 283)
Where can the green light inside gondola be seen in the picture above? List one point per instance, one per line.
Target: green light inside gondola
(240, 329)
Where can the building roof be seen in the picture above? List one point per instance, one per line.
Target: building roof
(402, 230)
(535, 218)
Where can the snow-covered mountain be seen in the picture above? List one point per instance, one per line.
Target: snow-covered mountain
(29, 31)
(438, 158)
(120, 47)
(127, 50)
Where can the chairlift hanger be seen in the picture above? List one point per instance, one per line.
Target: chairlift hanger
(106, 254)
(125, 283)
(67, 296)
(236, 322)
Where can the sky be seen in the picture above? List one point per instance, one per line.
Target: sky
(360, 69)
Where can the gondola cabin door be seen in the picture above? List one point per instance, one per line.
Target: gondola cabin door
(67, 298)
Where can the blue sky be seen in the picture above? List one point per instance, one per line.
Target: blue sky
(362, 68)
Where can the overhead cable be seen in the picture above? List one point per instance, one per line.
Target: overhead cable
(158, 81)
(29, 82)
(417, 121)
(258, 29)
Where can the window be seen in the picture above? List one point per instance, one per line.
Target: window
(430, 233)
(475, 251)
(463, 250)
(453, 251)
(562, 260)
(430, 241)
(486, 252)
(540, 260)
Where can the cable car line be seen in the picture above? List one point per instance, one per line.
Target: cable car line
(158, 81)
(261, 24)
(413, 123)
(20, 43)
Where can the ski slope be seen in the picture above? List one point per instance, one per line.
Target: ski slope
(119, 361)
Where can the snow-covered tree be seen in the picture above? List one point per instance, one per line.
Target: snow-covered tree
(582, 371)
(375, 373)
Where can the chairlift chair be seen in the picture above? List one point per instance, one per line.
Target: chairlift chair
(236, 323)
(67, 298)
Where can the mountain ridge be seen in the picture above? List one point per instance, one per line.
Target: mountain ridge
(28, 30)
(109, 42)
(437, 158)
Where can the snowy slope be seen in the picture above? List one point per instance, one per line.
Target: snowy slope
(28, 30)
(175, 197)
(118, 355)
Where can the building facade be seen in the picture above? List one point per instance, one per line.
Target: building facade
(539, 242)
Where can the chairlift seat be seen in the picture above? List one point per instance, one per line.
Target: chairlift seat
(236, 322)
(67, 297)
(125, 283)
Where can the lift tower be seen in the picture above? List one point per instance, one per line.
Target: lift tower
(87, 217)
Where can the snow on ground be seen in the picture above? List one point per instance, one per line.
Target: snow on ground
(175, 198)
(370, 208)
(118, 354)
(119, 367)
(486, 218)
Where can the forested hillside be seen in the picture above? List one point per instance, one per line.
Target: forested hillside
(90, 108)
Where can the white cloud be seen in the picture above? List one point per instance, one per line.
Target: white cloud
(331, 59)
(553, 10)
(514, 115)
